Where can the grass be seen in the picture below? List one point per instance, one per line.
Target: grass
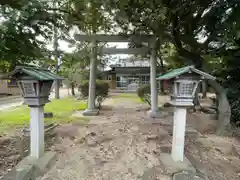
(61, 109)
(127, 96)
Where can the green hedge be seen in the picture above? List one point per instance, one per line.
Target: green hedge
(144, 93)
(102, 89)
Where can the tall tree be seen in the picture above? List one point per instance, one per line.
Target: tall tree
(75, 65)
(196, 28)
(25, 29)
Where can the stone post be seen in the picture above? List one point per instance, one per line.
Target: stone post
(91, 110)
(179, 127)
(36, 131)
(153, 81)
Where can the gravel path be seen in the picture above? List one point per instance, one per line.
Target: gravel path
(122, 143)
(118, 145)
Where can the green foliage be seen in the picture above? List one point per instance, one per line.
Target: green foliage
(75, 65)
(21, 23)
(102, 89)
(88, 16)
(144, 93)
(234, 101)
(228, 70)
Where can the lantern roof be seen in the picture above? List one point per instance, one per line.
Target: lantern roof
(187, 69)
(33, 72)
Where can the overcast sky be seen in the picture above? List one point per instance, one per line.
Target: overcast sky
(66, 47)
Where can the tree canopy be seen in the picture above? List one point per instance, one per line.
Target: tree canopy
(24, 27)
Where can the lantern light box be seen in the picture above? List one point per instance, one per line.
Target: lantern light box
(185, 83)
(35, 84)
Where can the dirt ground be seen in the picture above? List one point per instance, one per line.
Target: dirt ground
(14, 146)
(122, 143)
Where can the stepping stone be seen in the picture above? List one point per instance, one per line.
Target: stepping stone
(185, 175)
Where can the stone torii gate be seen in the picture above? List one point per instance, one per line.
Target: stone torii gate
(150, 40)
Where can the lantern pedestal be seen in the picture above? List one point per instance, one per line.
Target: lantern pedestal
(179, 127)
(173, 167)
(36, 131)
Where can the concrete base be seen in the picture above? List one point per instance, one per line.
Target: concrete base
(157, 114)
(90, 112)
(30, 168)
(173, 167)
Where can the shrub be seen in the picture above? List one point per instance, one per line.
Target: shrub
(234, 101)
(144, 93)
(102, 88)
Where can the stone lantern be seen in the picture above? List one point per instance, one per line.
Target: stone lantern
(185, 82)
(35, 84)
(183, 92)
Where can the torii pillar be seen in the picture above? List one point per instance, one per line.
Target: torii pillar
(91, 110)
(153, 81)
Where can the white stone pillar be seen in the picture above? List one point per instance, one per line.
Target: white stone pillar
(92, 82)
(36, 131)
(179, 133)
(153, 81)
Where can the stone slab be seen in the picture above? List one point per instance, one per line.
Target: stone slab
(45, 162)
(173, 167)
(185, 175)
(90, 112)
(29, 168)
(27, 173)
(190, 131)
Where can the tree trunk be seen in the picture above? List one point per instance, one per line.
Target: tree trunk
(162, 86)
(204, 88)
(196, 99)
(224, 109)
(73, 88)
(160, 64)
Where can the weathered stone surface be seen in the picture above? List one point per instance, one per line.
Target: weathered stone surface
(196, 163)
(185, 175)
(236, 148)
(172, 166)
(29, 168)
(10, 175)
(26, 174)
(191, 132)
(45, 162)
(182, 176)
